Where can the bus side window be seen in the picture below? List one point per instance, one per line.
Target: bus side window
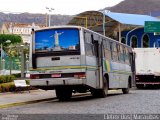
(87, 37)
(121, 54)
(108, 50)
(111, 47)
(89, 47)
(124, 52)
(104, 48)
(115, 52)
(118, 52)
(126, 56)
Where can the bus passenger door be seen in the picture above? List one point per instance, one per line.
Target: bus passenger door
(92, 73)
(98, 54)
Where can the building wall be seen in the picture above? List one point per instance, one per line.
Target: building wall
(139, 33)
(4, 29)
(22, 29)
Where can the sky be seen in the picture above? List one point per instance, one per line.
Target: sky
(63, 7)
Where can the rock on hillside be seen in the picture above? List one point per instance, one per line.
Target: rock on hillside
(36, 18)
(148, 7)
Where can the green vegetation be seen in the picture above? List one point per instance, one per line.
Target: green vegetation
(7, 78)
(9, 41)
(28, 82)
(17, 75)
(13, 38)
(7, 87)
(7, 84)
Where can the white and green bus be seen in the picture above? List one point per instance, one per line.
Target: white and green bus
(75, 59)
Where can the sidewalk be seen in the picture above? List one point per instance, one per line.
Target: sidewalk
(21, 98)
(7, 72)
(13, 99)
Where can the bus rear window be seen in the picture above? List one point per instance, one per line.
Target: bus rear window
(57, 40)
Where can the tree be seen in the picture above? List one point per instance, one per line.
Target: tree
(13, 38)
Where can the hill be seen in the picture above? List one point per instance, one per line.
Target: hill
(148, 7)
(36, 18)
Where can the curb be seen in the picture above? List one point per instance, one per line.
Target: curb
(41, 100)
(24, 103)
(29, 102)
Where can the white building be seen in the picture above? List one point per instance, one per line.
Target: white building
(22, 29)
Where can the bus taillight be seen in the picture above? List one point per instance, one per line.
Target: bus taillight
(34, 76)
(80, 75)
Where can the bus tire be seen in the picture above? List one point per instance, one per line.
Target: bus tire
(140, 86)
(105, 87)
(63, 94)
(126, 90)
(101, 93)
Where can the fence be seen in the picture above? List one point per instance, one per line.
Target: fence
(12, 63)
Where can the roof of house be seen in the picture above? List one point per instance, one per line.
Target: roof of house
(130, 19)
(94, 20)
(20, 25)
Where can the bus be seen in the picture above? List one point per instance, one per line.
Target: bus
(72, 59)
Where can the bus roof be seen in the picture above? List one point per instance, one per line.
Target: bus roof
(79, 27)
(59, 26)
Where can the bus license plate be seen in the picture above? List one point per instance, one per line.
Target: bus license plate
(56, 75)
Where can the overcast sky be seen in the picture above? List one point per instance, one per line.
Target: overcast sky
(64, 7)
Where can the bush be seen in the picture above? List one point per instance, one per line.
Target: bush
(12, 77)
(3, 79)
(28, 82)
(17, 75)
(3, 88)
(7, 78)
(12, 88)
(7, 87)
(0, 88)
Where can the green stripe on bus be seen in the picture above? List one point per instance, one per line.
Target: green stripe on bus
(65, 67)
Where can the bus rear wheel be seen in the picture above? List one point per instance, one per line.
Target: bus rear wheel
(126, 90)
(140, 86)
(63, 94)
(101, 93)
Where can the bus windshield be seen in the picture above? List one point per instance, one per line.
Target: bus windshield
(57, 40)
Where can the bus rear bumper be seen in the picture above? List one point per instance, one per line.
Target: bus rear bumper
(57, 81)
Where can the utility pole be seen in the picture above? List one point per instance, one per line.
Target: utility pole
(49, 19)
(22, 61)
(46, 20)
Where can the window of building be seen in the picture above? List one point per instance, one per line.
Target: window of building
(123, 40)
(134, 42)
(145, 41)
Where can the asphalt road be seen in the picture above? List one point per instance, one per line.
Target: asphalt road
(145, 101)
